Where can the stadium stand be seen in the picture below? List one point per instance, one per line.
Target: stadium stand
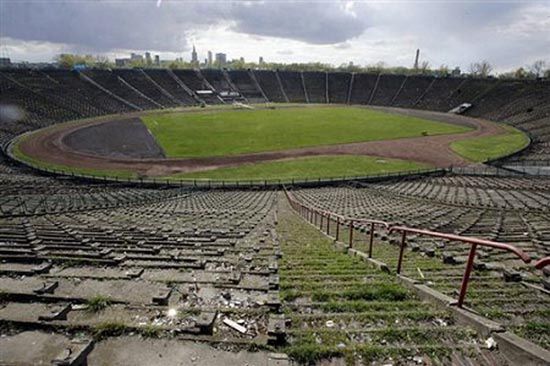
(387, 88)
(437, 96)
(414, 88)
(338, 86)
(85, 91)
(164, 79)
(113, 83)
(270, 85)
(470, 91)
(293, 87)
(363, 85)
(221, 84)
(247, 87)
(138, 80)
(196, 83)
(316, 86)
(41, 83)
(39, 109)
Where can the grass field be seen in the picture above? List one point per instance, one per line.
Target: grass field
(206, 133)
(236, 132)
(481, 149)
(314, 167)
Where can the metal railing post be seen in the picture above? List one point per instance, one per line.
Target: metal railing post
(466, 277)
(371, 239)
(401, 250)
(337, 227)
(351, 234)
(321, 222)
(315, 218)
(328, 224)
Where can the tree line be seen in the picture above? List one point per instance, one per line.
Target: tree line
(481, 69)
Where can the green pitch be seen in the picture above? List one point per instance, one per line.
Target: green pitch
(334, 166)
(481, 149)
(234, 132)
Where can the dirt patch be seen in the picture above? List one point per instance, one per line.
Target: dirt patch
(127, 138)
(49, 146)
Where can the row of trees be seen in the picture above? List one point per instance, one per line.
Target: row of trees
(480, 69)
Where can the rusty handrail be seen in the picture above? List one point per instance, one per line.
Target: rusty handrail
(466, 239)
(339, 219)
(474, 242)
(471, 256)
(541, 263)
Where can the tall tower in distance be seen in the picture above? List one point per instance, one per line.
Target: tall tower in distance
(209, 58)
(416, 58)
(194, 58)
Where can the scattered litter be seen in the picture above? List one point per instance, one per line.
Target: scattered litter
(329, 324)
(440, 322)
(420, 273)
(172, 312)
(234, 325)
(79, 307)
(418, 360)
(490, 343)
(341, 346)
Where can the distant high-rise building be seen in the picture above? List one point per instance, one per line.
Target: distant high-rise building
(209, 58)
(221, 59)
(136, 57)
(148, 59)
(241, 59)
(194, 57)
(5, 61)
(261, 60)
(121, 62)
(157, 60)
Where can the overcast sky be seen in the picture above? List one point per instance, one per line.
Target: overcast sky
(506, 33)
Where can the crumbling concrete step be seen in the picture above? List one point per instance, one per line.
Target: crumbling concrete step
(135, 351)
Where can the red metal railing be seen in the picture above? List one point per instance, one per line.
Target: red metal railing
(543, 262)
(311, 213)
(471, 256)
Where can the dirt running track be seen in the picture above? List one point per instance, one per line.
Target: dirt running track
(49, 145)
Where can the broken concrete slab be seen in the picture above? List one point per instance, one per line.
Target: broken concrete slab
(124, 351)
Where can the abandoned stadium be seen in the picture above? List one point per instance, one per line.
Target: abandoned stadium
(111, 254)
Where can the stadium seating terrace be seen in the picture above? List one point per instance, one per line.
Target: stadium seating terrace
(88, 260)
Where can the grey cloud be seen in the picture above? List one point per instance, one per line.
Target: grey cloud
(311, 22)
(453, 33)
(96, 25)
(285, 52)
(107, 25)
